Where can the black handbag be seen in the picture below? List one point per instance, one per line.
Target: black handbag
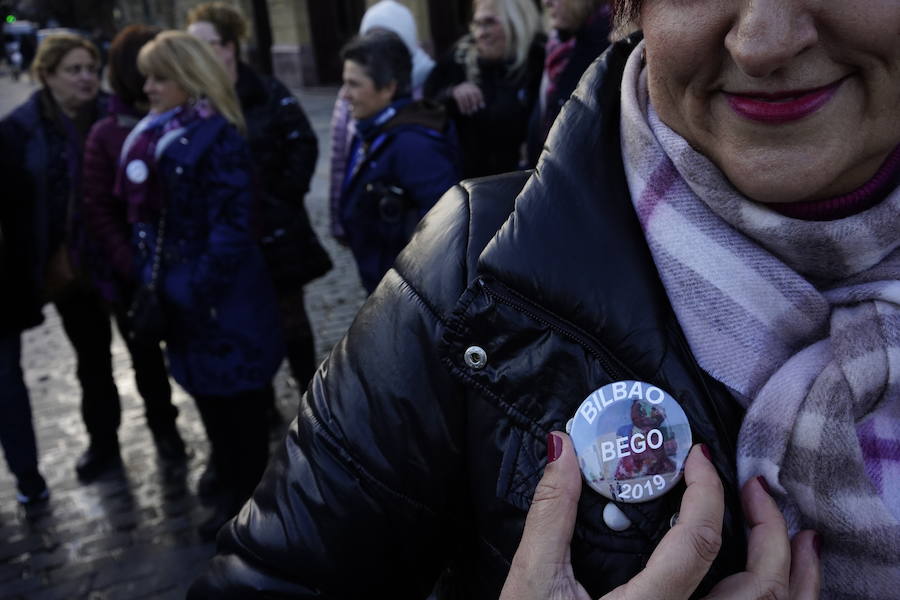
(146, 318)
(293, 252)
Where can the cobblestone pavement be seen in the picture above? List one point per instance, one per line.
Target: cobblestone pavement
(134, 535)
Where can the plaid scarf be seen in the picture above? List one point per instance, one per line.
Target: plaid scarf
(801, 320)
(557, 55)
(145, 143)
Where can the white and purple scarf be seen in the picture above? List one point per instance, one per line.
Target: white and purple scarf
(801, 320)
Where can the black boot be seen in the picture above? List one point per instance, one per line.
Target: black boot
(32, 489)
(98, 460)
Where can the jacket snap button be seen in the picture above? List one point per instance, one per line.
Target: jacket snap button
(476, 357)
(183, 140)
(179, 170)
(614, 518)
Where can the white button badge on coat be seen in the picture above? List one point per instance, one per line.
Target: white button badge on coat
(614, 518)
(632, 439)
(137, 171)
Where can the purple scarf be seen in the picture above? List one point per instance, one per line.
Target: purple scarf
(801, 320)
(137, 179)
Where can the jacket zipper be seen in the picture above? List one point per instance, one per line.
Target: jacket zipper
(613, 366)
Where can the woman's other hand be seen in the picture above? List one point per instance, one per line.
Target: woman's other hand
(468, 98)
(542, 566)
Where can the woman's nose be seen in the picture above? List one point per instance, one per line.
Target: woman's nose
(768, 34)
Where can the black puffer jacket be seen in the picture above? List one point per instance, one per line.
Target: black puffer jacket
(404, 460)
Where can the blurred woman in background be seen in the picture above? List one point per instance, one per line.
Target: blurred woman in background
(185, 171)
(489, 83)
(107, 220)
(580, 32)
(284, 150)
(388, 15)
(44, 140)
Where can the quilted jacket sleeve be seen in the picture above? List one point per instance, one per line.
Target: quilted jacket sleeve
(104, 212)
(358, 500)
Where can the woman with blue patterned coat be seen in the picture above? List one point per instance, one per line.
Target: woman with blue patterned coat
(186, 173)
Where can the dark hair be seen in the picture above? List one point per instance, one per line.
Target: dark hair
(384, 57)
(124, 77)
(228, 22)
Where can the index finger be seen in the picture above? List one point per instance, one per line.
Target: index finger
(768, 547)
(685, 554)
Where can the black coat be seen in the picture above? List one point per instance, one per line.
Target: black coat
(284, 149)
(282, 142)
(20, 301)
(491, 139)
(404, 460)
(37, 212)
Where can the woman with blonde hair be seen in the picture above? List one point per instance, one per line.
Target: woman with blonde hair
(105, 217)
(489, 83)
(185, 174)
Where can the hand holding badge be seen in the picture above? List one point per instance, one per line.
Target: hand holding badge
(632, 439)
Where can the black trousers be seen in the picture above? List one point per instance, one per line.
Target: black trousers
(298, 336)
(151, 377)
(237, 428)
(86, 321)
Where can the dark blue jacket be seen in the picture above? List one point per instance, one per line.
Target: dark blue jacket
(36, 212)
(401, 161)
(226, 337)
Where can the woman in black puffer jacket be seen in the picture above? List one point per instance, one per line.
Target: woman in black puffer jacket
(406, 443)
(715, 213)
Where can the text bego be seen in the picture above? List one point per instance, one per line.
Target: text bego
(635, 444)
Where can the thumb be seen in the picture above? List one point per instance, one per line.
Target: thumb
(543, 556)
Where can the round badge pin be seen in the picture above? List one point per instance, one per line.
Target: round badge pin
(632, 439)
(136, 171)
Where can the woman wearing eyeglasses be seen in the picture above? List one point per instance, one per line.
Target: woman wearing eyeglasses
(489, 82)
(42, 142)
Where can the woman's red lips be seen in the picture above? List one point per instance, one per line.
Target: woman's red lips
(781, 107)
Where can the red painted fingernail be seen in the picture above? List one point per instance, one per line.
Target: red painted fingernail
(705, 449)
(817, 545)
(554, 447)
(762, 481)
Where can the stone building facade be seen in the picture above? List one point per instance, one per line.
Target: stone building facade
(307, 34)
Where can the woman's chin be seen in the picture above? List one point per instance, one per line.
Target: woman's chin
(777, 187)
